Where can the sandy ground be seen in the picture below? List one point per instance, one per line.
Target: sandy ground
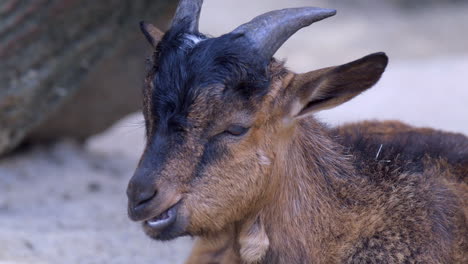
(66, 203)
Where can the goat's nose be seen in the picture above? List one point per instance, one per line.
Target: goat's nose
(140, 192)
(138, 200)
(143, 197)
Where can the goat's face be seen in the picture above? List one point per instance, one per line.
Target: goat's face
(206, 158)
(216, 113)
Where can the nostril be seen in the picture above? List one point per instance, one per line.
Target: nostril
(144, 197)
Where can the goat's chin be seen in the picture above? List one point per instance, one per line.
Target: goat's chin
(174, 231)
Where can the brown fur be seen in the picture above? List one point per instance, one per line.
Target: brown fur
(391, 216)
(345, 207)
(292, 190)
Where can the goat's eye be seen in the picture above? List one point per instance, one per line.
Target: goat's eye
(236, 130)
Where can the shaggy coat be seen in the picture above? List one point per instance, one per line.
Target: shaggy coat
(235, 157)
(377, 192)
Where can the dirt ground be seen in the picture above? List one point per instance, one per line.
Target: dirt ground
(66, 203)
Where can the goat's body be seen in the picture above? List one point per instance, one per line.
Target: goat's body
(394, 194)
(417, 182)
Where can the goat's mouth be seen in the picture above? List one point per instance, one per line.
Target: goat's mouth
(163, 220)
(166, 225)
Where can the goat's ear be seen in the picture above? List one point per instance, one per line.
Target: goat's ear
(329, 87)
(152, 33)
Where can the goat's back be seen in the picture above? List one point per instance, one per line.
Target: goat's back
(392, 146)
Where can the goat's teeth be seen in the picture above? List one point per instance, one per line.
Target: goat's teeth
(159, 218)
(163, 219)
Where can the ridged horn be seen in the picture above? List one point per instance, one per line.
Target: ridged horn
(268, 32)
(190, 10)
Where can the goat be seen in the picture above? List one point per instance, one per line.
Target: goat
(235, 157)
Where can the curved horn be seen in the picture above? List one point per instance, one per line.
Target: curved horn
(269, 31)
(188, 9)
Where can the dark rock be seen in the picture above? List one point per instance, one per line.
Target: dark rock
(47, 51)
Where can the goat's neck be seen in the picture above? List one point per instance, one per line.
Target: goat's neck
(305, 213)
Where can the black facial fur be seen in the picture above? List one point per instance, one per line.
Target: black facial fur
(183, 69)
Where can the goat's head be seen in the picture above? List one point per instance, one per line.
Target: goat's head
(217, 110)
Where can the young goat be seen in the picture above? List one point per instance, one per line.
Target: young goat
(235, 157)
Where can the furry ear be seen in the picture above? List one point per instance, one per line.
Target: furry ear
(329, 87)
(253, 241)
(152, 33)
